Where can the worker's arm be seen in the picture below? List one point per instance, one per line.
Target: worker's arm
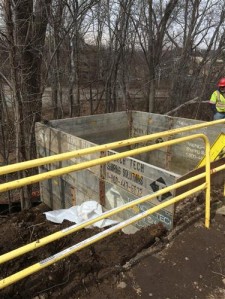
(213, 107)
(213, 101)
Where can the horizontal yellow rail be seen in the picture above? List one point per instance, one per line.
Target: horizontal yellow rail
(73, 228)
(67, 252)
(99, 161)
(113, 145)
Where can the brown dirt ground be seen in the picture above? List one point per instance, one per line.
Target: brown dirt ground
(188, 262)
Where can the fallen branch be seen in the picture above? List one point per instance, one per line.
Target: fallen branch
(171, 112)
(218, 273)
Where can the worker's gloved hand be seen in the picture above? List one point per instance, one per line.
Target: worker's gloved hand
(213, 108)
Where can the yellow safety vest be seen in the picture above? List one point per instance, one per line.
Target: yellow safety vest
(218, 99)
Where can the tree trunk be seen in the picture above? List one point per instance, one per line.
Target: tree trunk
(26, 28)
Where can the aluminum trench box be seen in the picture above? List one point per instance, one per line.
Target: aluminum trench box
(124, 180)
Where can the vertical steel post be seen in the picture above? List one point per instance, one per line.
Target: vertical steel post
(102, 180)
(208, 183)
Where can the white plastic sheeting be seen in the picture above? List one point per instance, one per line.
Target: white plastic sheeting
(78, 214)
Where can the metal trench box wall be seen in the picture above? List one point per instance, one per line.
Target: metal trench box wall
(120, 181)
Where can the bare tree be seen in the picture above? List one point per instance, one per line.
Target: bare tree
(26, 22)
(151, 42)
(6, 136)
(55, 73)
(197, 26)
(115, 67)
(151, 25)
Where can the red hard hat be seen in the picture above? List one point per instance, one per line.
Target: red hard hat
(221, 82)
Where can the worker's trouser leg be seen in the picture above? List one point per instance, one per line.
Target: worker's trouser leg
(218, 115)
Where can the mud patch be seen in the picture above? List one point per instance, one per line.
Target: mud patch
(76, 272)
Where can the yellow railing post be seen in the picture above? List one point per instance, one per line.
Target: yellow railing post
(208, 185)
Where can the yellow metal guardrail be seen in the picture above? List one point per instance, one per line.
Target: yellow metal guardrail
(76, 154)
(67, 252)
(42, 264)
(36, 178)
(83, 165)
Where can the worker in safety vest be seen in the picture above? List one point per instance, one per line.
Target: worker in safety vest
(217, 100)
